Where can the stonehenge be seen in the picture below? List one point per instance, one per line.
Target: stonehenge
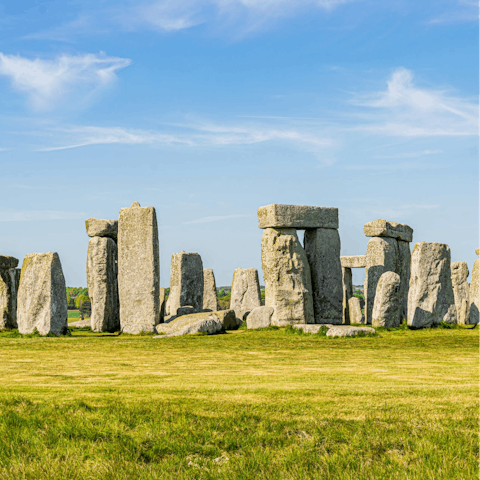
(41, 300)
(387, 251)
(312, 291)
(102, 273)
(461, 291)
(186, 283)
(350, 308)
(430, 297)
(138, 269)
(245, 292)
(260, 317)
(8, 292)
(210, 301)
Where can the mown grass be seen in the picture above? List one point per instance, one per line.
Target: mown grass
(248, 404)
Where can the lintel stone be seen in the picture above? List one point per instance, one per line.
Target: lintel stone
(354, 261)
(299, 217)
(384, 228)
(8, 262)
(99, 227)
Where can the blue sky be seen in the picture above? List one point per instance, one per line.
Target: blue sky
(209, 109)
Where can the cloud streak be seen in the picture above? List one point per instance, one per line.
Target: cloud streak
(47, 82)
(12, 215)
(216, 218)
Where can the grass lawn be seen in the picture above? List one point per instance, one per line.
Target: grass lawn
(73, 315)
(246, 405)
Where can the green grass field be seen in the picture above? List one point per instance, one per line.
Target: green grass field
(245, 405)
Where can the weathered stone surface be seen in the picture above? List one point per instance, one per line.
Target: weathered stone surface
(430, 297)
(355, 310)
(403, 269)
(299, 217)
(259, 317)
(102, 284)
(475, 294)
(322, 247)
(354, 261)
(189, 325)
(347, 293)
(138, 269)
(349, 331)
(477, 251)
(245, 292)
(200, 322)
(310, 328)
(186, 282)
(81, 324)
(41, 300)
(210, 301)
(162, 305)
(382, 255)
(8, 298)
(18, 274)
(388, 304)
(99, 227)
(383, 228)
(286, 273)
(461, 291)
(6, 261)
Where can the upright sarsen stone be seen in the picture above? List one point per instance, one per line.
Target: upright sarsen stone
(245, 292)
(210, 300)
(475, 292)
(102, 284)
(138, 269)
(382, 255)
(322, 246)
(186, 283)
(388, 302)
(461, 291)
(403, 269)
(8, 292)
(430, 298)
(347, 293)
(42, 300)
(286, 273)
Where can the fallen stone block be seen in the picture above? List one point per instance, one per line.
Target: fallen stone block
(297, 216)
(259, 317)
(349, 331)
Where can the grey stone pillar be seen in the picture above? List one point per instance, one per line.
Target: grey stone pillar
(475, 291)
(8, 292)
(210, 299)
(245, 293)
(461, 291)
(347, 293)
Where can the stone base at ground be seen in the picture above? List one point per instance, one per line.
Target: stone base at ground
(260, 317)
(349, 331)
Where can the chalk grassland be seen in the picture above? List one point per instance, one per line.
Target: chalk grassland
(246, 405)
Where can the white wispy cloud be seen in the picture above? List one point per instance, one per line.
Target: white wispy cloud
(187, 134)
(405, 110)
(12, 215)
(48, 82)
(412, 154)
(215, 218)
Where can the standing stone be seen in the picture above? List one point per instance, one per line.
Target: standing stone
(102, 284)
(210, 301)
(162, 305)
(138, 269)
(461, 291)
(355, 310)
(245, 292)
(286, 273)
(430, 297)
(347, 293)
(42, 299)
(186, 282)
(8, 292)
(322, 246)
(403, 269)
(382, 255)
(388, 302)
(475, 292)
(18, 274)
